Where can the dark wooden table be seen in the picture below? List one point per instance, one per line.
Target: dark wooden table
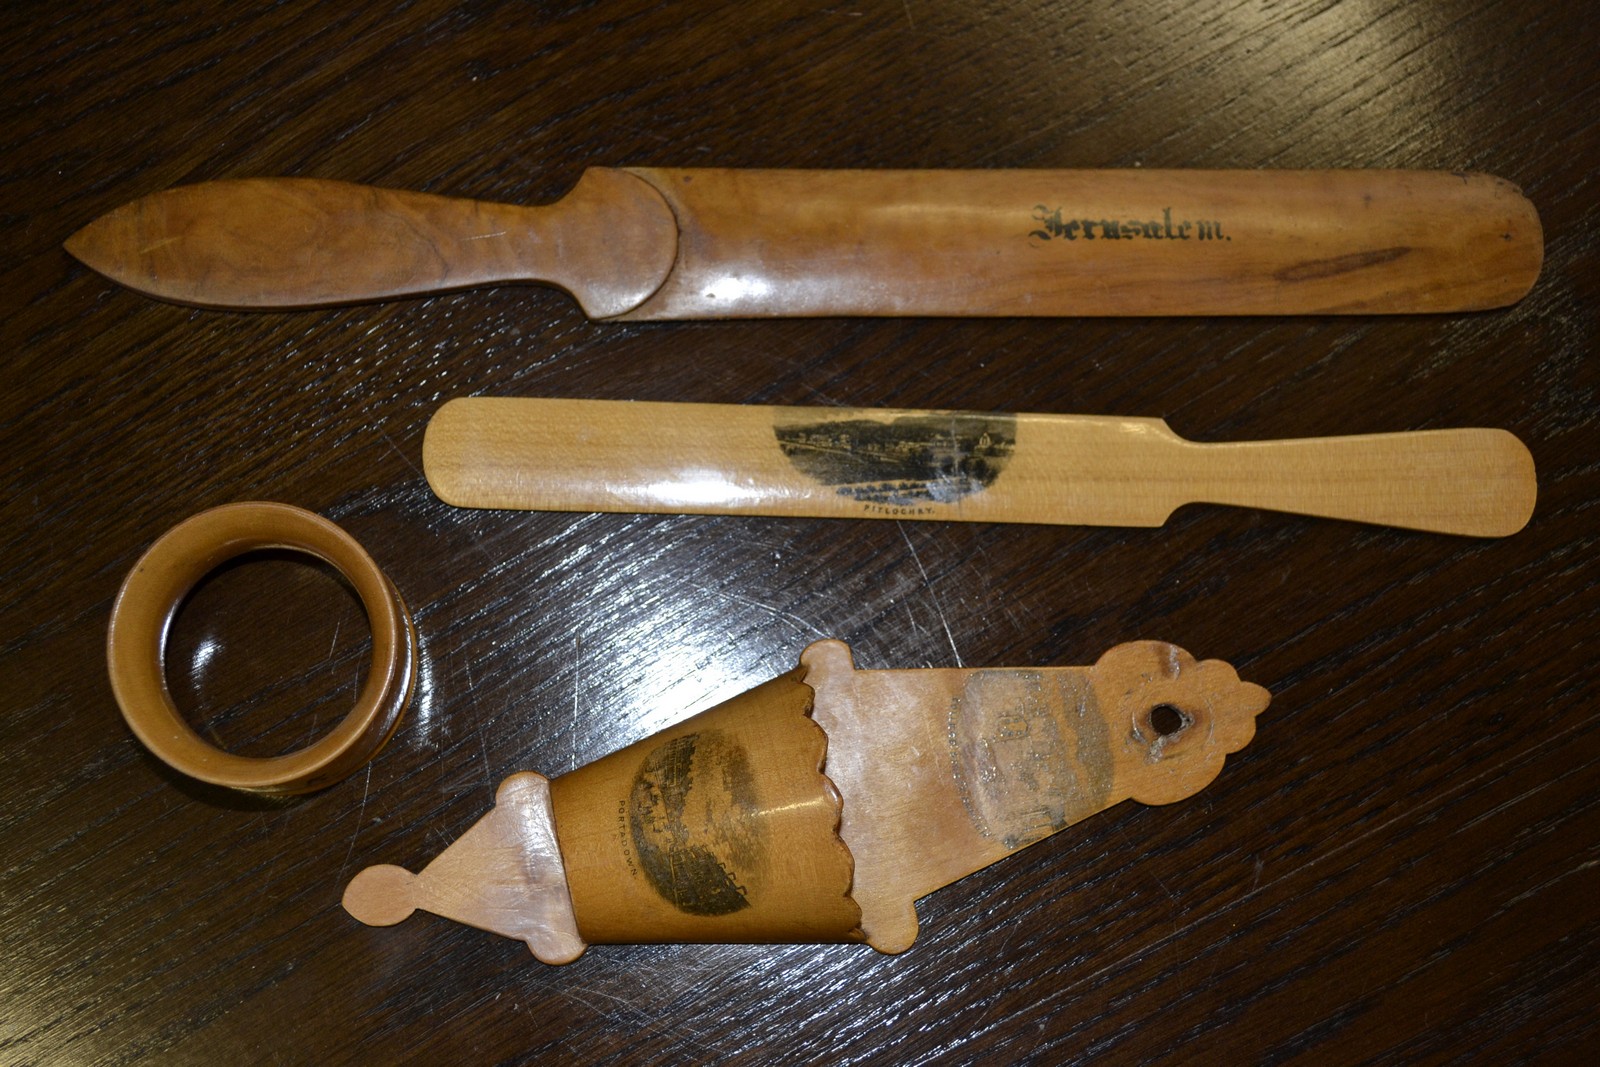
(1404, 865)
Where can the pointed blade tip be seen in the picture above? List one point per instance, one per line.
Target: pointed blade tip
(87, 246)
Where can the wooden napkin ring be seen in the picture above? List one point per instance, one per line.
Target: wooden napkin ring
(162, 579)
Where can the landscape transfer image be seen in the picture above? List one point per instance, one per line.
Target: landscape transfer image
(908, 460)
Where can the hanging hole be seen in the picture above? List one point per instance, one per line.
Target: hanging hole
(1167, 720)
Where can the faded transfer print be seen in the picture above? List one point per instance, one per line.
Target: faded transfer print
(905, 464)
(1030, 751)
(692, 815)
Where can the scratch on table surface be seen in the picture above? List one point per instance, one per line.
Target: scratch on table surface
(1587, 865)
(483, 747)
(577, 688)
(1133, 850)
(402, 454)
(360, 814)
(933, 596)
(481, 544)
(818, 394)
(792, 619)
(913, 626)
(483, 744)
(796, 355)
(636, 1017)
(1507, 805)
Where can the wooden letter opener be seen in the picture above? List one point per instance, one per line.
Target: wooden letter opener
(652, 243)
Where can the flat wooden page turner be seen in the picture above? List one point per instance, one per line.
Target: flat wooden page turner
(886, 463)
(820, 806)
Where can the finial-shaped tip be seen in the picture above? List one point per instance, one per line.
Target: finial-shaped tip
(380, 896)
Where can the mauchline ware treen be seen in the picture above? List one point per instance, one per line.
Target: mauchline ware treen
(820, 806)
(885, 463)
(655, 243)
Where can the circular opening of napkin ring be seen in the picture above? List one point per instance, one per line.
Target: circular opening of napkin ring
(173, 566)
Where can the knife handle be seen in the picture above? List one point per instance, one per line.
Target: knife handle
(1473, 482)
(306, 242)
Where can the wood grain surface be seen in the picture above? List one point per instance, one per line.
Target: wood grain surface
(1404, 866)
(543, 454)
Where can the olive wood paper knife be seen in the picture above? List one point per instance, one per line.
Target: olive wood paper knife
(885, 463)
(652, 243)
(820, 806)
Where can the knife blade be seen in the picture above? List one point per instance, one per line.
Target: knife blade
(657, 243)
(887, 463)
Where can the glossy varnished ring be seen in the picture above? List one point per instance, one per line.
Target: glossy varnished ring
(173, 566)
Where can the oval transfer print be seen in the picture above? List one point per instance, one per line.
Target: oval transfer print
(905, 461)
(694, 819)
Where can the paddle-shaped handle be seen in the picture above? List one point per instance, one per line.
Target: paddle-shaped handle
(1475, 482)
(739, 459)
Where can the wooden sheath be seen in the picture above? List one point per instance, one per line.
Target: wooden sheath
(588, 455)
(821, 806)
(659, 243)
